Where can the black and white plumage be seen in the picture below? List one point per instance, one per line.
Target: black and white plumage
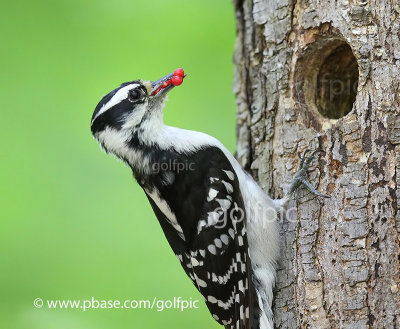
(218, 221)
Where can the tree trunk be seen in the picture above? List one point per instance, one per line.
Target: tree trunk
(326, 74)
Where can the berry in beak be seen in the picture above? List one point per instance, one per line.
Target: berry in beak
(167, 83)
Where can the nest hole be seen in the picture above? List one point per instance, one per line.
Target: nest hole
(337, 83)
(327, 78)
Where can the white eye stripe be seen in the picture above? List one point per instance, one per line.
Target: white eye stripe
(119, 96)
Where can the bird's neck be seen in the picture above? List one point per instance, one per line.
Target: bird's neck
(142, 147)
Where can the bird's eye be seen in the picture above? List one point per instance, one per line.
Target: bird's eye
(134, 95)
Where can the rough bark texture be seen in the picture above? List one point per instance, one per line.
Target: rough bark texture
(340, 264)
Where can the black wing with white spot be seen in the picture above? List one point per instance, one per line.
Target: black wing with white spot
(203, 217)
(219, 252)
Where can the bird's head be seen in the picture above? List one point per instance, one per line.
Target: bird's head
(133, 106)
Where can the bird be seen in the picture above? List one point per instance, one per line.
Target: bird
(218, 221)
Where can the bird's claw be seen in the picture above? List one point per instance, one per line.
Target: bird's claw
(301, 176)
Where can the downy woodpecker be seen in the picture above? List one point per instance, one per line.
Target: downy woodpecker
(219, 223)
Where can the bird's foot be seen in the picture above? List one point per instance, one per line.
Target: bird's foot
(301, 176)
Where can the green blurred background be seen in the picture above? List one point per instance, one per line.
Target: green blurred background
(74, 224)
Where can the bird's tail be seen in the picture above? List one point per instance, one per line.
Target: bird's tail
(264, 278)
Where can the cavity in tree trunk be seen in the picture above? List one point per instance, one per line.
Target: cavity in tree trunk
(326, 74)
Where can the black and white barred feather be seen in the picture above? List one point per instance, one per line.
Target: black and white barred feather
(202, 214)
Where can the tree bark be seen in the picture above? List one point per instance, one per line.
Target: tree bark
(340, 264)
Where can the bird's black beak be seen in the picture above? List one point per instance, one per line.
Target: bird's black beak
(157, 86)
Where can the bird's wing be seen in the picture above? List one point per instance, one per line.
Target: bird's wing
(178, 245)
(209, 210)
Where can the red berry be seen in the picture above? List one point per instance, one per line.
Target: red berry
(179, 72)
(177, 80)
